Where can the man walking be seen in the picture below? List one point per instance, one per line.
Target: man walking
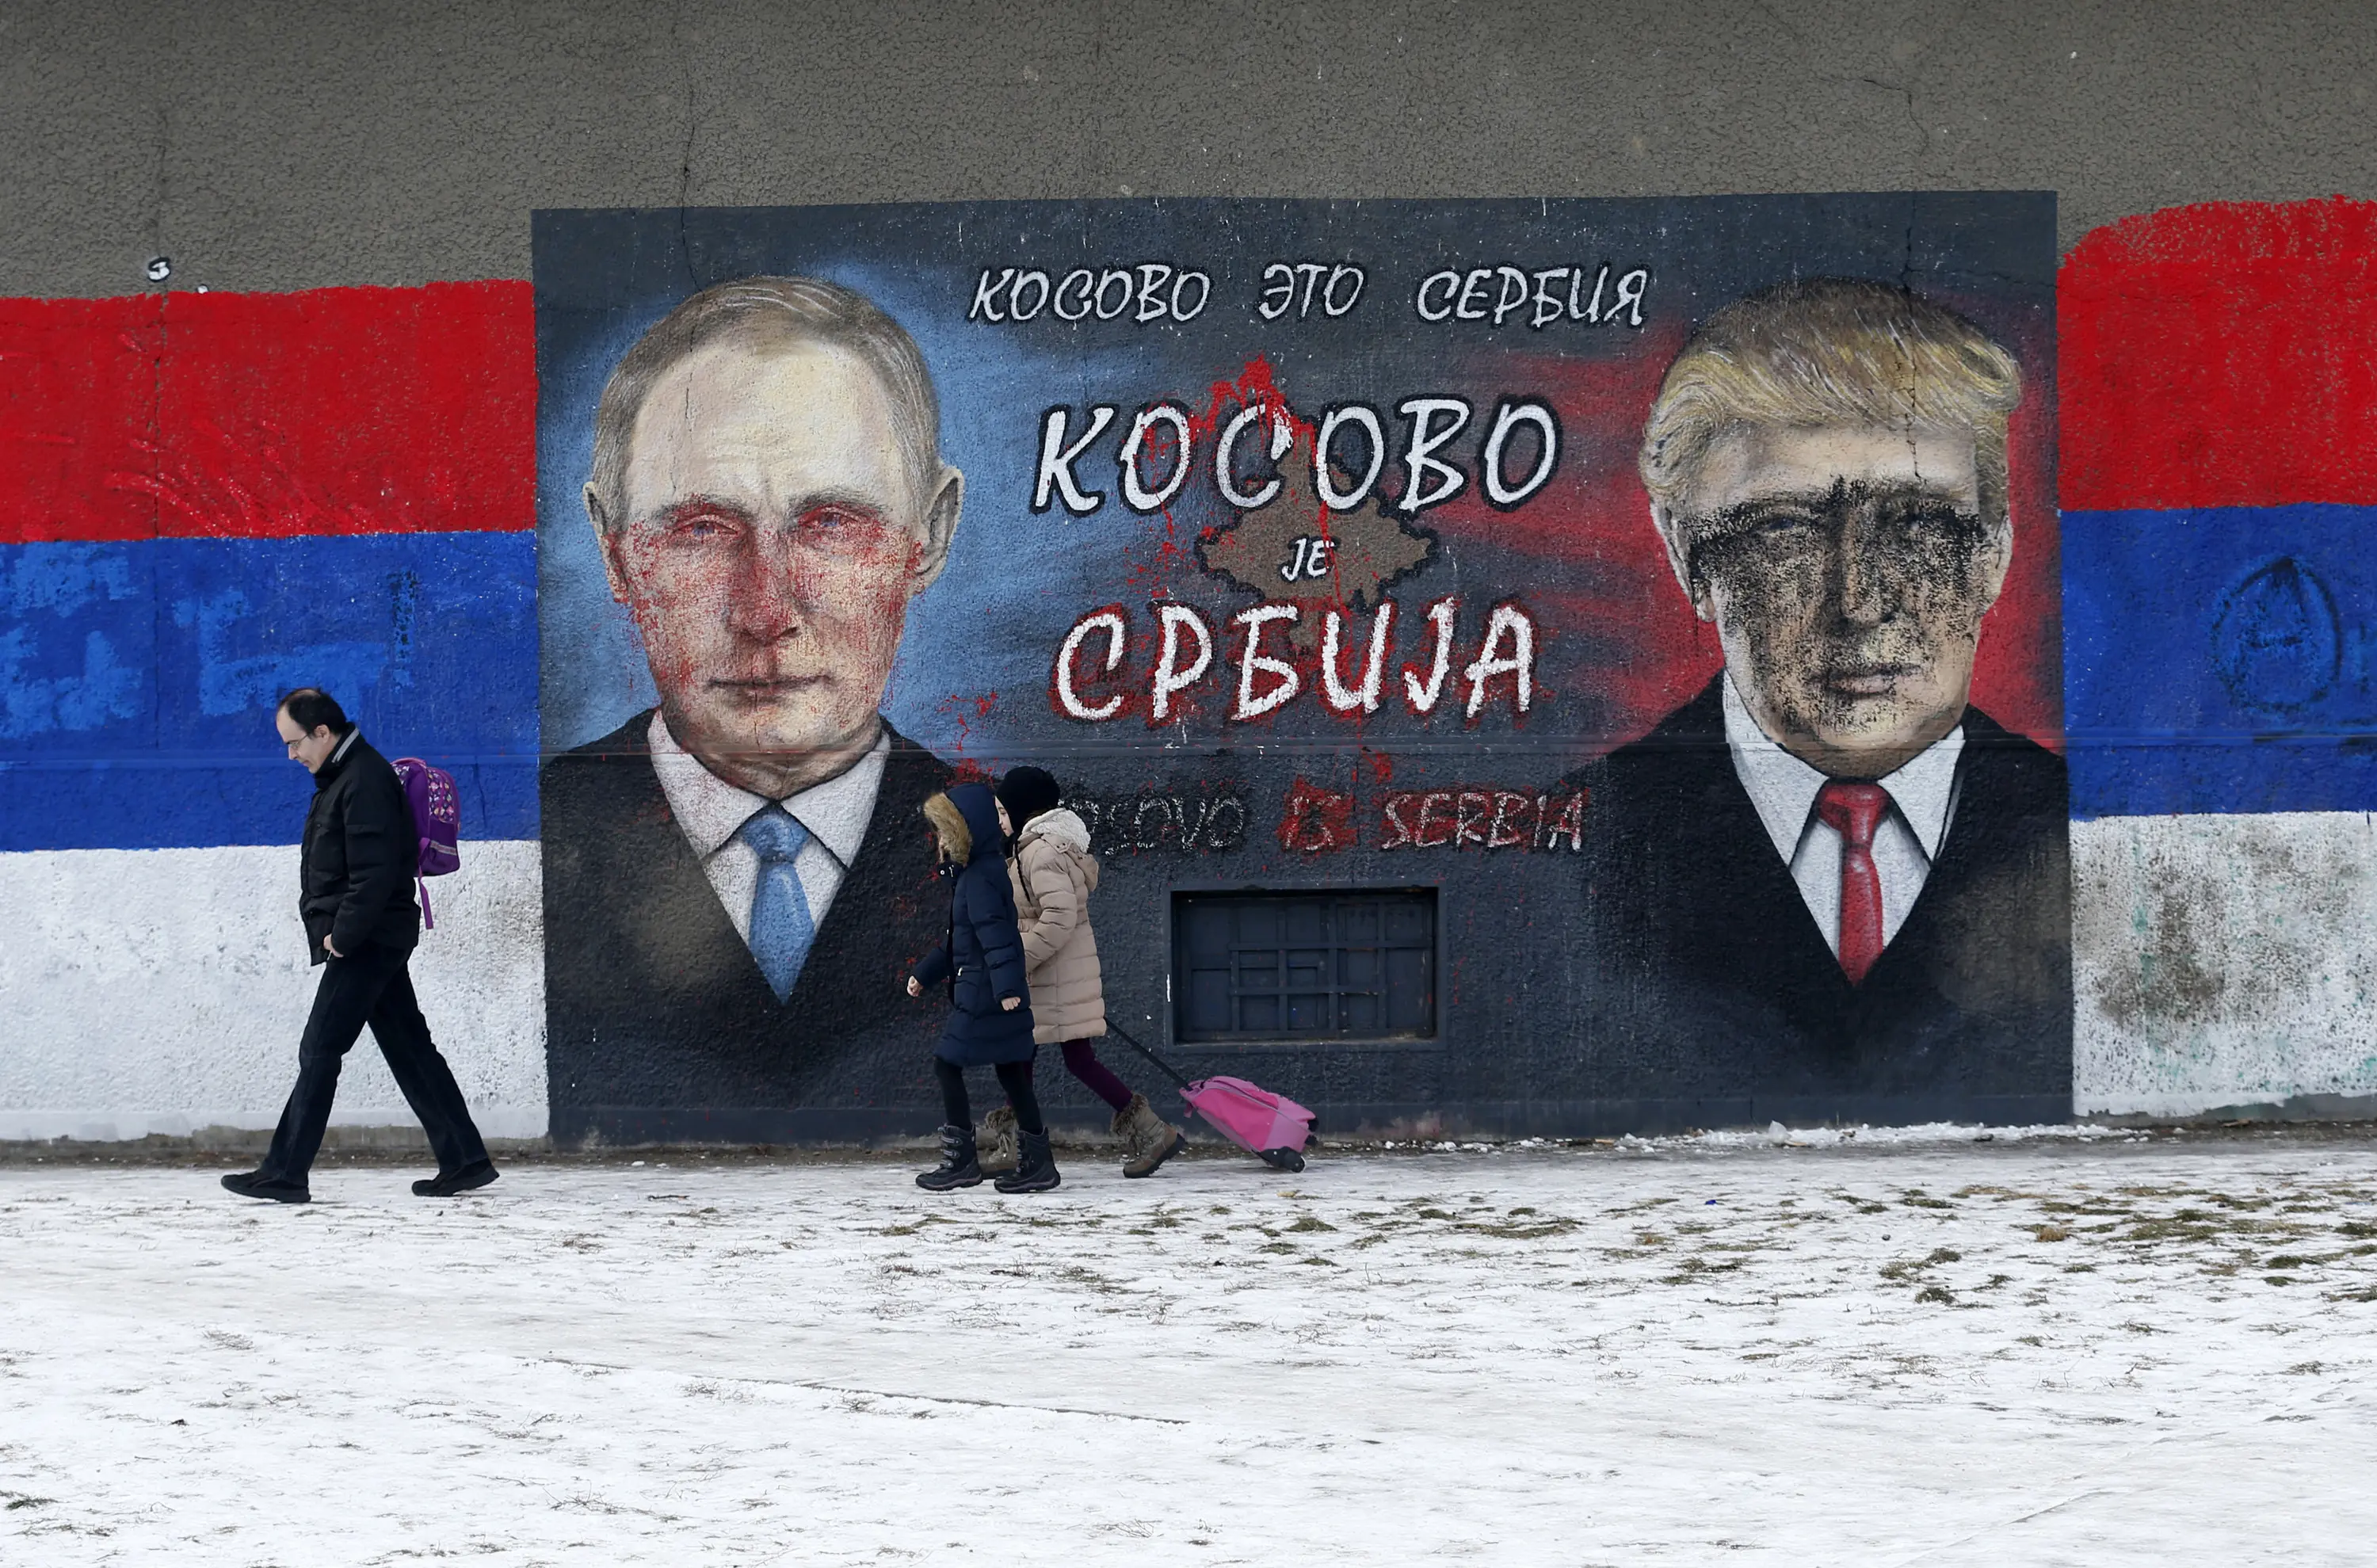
(355, 876)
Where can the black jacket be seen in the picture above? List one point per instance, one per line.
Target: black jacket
(355, 870)
(983, 955)
(1716, 983)
(659, 1025)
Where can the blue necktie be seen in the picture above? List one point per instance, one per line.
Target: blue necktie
(782, 927)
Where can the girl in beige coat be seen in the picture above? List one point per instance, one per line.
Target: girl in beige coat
(1054, 873)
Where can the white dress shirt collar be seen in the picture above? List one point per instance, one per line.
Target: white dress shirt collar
(1783, 788)
(709, 812)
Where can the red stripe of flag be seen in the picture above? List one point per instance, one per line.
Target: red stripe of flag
(2223, 355)
(334, 410)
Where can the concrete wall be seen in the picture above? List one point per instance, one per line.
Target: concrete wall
(298, 146)
(265, 149)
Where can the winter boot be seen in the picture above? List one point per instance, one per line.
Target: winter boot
(1035, 1168)
(1147, 1139)
(997, 1153)
(957, 1168)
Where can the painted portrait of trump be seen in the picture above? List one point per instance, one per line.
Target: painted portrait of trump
(1829, 884)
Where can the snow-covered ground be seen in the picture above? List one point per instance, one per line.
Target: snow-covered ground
(2044, 1351)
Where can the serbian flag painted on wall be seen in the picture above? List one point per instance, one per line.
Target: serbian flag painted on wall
(206, 499)
(2219, 491)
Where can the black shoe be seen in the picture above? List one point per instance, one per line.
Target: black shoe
(1035, 1168)
(256, 1184)
(957, 1168)
(447, 1183)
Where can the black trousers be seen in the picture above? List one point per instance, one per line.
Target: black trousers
(1015, 1077)
(372, 987)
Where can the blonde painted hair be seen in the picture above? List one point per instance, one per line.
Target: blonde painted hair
(1817, 352)
(950, 827)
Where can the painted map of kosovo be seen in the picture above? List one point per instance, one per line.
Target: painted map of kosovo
(1273, 550)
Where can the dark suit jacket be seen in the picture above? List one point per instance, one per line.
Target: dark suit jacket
(1716, 983)
(659, 1025)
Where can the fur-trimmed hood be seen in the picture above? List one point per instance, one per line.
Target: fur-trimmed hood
(1064, 830)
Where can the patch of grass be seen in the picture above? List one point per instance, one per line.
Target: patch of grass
(2356, 1228)
(1318, 1259)
(1311, 1222)
(1939, 1293)
(2171, 1231)
(2288, 1261)
(1277, 1247)
(1695, 1268)
(1907, 1267)
(1521, 1232)
(1435, 1213)
(1919, 1199)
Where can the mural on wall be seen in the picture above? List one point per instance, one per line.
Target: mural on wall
(204, 498)
(1653, 601)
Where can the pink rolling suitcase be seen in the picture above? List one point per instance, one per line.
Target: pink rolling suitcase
(1270, 1127)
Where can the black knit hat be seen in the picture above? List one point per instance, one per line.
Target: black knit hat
(1026, 793)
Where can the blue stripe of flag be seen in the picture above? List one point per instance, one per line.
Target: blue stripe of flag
(138, 679)
(2219, 660)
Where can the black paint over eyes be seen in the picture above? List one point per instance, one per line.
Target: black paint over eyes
(1901, 527)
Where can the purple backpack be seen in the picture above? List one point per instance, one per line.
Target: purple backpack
(436, 820)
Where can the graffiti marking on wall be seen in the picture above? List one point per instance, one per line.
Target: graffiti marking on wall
(1209, 819)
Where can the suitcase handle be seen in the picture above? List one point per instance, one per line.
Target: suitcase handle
(1168, 1069)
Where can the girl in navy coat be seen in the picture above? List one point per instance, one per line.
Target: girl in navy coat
(990, 1007)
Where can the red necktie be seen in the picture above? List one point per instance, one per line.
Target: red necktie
(1854, 810)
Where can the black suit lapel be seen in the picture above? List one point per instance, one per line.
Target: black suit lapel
(861, 952)
(1746, 914)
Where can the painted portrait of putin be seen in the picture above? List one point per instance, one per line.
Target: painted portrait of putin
(731, 876)
(1828, 883)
